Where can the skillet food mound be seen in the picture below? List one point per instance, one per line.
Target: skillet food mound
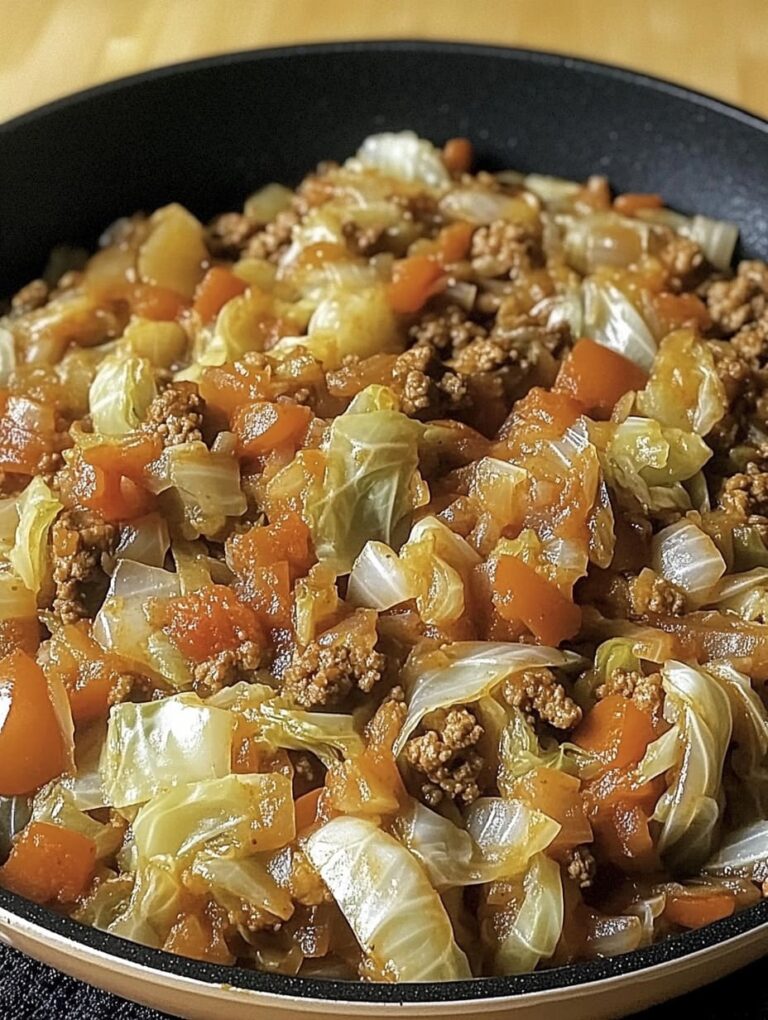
(385, 574)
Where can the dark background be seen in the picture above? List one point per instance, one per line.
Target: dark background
(30, 991)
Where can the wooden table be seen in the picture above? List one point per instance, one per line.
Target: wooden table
(51, 47)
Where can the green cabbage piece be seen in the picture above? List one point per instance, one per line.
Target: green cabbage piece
(157, 898)
(153, 746)
(388, 901)
(500, 839)
(645, 462)
(38, 509)
(242, 886)
(521, 751)
(690, 808)
(535, 922)
(234, 816)
(370, 486)
(205, 489)
(55, 804)
(684, 390)
(327, 735)
(120, 394)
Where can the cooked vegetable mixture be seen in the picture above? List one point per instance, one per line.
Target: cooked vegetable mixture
(384, 586)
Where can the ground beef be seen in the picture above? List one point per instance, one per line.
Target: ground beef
(446, 755)
(226, 235)
(176, 414)
(746, 493)
(79, 540)
(325, 674)
(582, 866)
(684, 263)
(362, 241)
(225, 668)
(537, 693)
(645, 691)
(741, 300)
(34, 295)
(446, 331)
(272, 241)
(426, 388)
(504, 249)
(651, 593)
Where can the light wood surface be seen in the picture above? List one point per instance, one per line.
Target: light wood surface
(51, 47)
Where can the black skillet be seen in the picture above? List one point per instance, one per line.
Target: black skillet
(207, 133)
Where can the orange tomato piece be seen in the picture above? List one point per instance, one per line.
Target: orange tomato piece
(157, 303)
(678, 310)
(199, 937)
(32, 744)
(693, 908)
(557, 795)
(23, 634)
(262, 427)
(88, 674)
(458, 155)
(622, 835)
(23, 442)
(49, 864)
(268, 592)
(453, 242)
(285, 539)
(631, 203)
(540, 414)
(218, 286)
(519, 593)
(414, 281)
(209, 621)
(307, 808)
(616, 730)
(597, 377)
(227, 387)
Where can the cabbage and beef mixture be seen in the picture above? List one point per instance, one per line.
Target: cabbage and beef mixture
(384, 586)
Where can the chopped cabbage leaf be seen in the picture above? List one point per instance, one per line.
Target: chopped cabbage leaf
(55, 804)
(533, 928)
(329, 736)
(684, 390)
(37, 509)
(120, 394)
(464, 671)
(687, 556)
(403, 155)
(156, 901)
(372, 877)
(370, 486)
(743, 852)
(689, 810)
(207, 486)
(242, 885)
(611, 319)
(155, 745)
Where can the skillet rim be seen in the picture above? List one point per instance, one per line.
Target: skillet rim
(671, 949)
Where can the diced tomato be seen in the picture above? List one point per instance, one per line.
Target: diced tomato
(458, 155)
(229, 386)
(23, 634)
(285, 539)
(616, 730)
(692, 908)
(262, 427)
(156, 303)
(678, 310)
(540, 414)
(32, 743)
(315, 255)
(557, 795)
(209, 621)
(218, 286)
(306, 809)
(27, 434)
(368, 784)
(631, 203)
(129, 457)
(453, 242)
(519, 593)
(199, 937)
(89, 675)
(597, 377)
(623, 837)
(414, 281)
(108, 478)
(268, 591)
(49, 864)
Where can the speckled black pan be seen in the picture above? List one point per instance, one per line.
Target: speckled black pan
(207, 133)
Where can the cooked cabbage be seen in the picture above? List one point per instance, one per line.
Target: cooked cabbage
(532, 929)
(463, 671)
(612, 319)
(122, 390)
(154, 746)
(404, 155)
(690, 809)
(38, 509)
(684, 390)
(207, 486)
(687, 556)
(372, 877)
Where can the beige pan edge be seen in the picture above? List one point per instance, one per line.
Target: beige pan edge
(196, 1000)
